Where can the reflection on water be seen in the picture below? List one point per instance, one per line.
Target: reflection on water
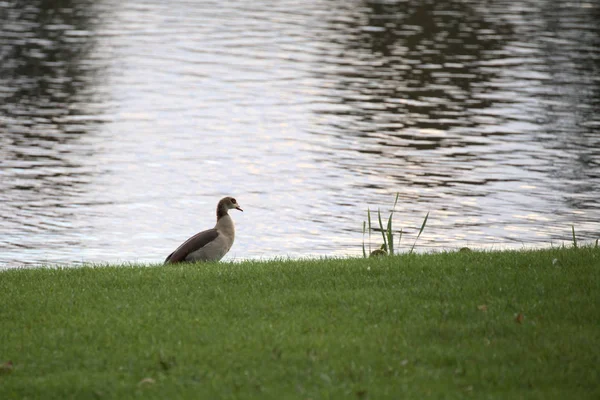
(124, 122)
(47, 103)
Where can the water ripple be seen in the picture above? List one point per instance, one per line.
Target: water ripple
(124, 122)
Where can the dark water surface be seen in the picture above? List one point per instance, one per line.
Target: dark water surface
(123, 123)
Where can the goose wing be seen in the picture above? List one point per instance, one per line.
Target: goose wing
(196, 242)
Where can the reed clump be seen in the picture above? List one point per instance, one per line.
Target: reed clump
(387, 233)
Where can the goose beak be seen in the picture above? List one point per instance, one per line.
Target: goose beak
(239, 208)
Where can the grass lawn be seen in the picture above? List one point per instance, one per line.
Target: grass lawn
(493, 325)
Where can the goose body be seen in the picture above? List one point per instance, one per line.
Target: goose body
(211, 244)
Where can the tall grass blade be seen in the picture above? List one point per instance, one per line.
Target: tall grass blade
(390, 237)
(574, 238)
(399, 237)
(369, 219)
(363, 247)
(420, 231)
(382, 230)
(390, 231)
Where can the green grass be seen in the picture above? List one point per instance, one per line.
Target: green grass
(411, 326)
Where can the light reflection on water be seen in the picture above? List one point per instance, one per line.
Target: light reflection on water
(124, 122)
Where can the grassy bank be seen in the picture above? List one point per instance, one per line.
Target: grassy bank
(481, 325)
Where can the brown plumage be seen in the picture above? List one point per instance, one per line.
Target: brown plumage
(211, 244)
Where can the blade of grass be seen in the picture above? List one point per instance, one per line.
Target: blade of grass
(390, 231)
(363, 246)
(574, 238)
(399, 237)
(390, 238)
(390, 235)
(382, 230)
(420, 231)
(369, 219)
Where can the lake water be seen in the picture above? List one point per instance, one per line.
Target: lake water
(122, 123)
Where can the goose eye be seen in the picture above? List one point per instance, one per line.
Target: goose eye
(233, 201)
